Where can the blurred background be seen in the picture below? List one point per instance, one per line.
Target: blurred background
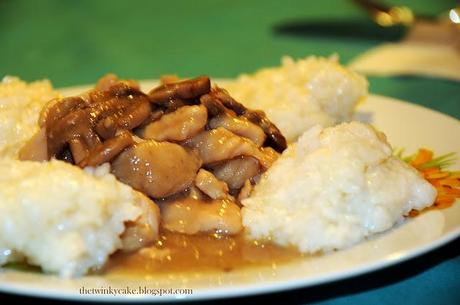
(76, 42)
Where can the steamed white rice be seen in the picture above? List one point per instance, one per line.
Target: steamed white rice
(332, 189)
(300, 94)
(20, 105)
(60, 217)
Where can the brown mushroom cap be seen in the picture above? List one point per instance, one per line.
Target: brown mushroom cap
(58, 108)
(83, 124)
(188, 89)
(107, 150)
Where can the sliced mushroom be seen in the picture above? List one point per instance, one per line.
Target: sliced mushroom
(173, 105)
(107, 150)
(59, 108)
(75, 125)
(79, 150)
(274, 137)
(187, 89)
(210, 185)
(214, 106)
(106, 128)
(191, 216)
(134, 114)
(118, 89)
(158, 169)
(229, 102)
(236, 171)
(179, 125)
(239, 126)
(125, 112)
(116, 113)
(81, 124)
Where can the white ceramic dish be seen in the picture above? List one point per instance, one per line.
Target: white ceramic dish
(405, 124)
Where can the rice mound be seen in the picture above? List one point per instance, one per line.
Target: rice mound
(60, 217)
(20, 105)
(300, 94)
(332, 189)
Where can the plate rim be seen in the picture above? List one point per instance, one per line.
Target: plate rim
(247, 289)
(233, 291)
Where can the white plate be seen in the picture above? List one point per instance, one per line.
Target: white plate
(406, 125)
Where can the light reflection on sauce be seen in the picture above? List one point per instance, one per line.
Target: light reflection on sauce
(176, 252)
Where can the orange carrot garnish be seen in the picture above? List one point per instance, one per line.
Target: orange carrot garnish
(447, 183)
(437, 175)
(423, 156)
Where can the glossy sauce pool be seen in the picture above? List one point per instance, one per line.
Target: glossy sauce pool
(191, 253)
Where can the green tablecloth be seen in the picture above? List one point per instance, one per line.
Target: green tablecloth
(75, 42)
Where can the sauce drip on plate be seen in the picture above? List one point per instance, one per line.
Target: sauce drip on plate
(175, 252)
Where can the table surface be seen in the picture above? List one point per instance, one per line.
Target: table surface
(76, 42)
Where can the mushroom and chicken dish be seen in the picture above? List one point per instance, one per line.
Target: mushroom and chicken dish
(191, 148)
(185, 177)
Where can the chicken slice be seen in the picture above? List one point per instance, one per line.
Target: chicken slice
(210, 185)
(239, 126)
(219, 144)
(179, 125)
(144, 230)
(191, 216)
(236, 171)
(158, 169)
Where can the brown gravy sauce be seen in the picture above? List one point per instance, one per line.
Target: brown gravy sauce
(178, 253)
